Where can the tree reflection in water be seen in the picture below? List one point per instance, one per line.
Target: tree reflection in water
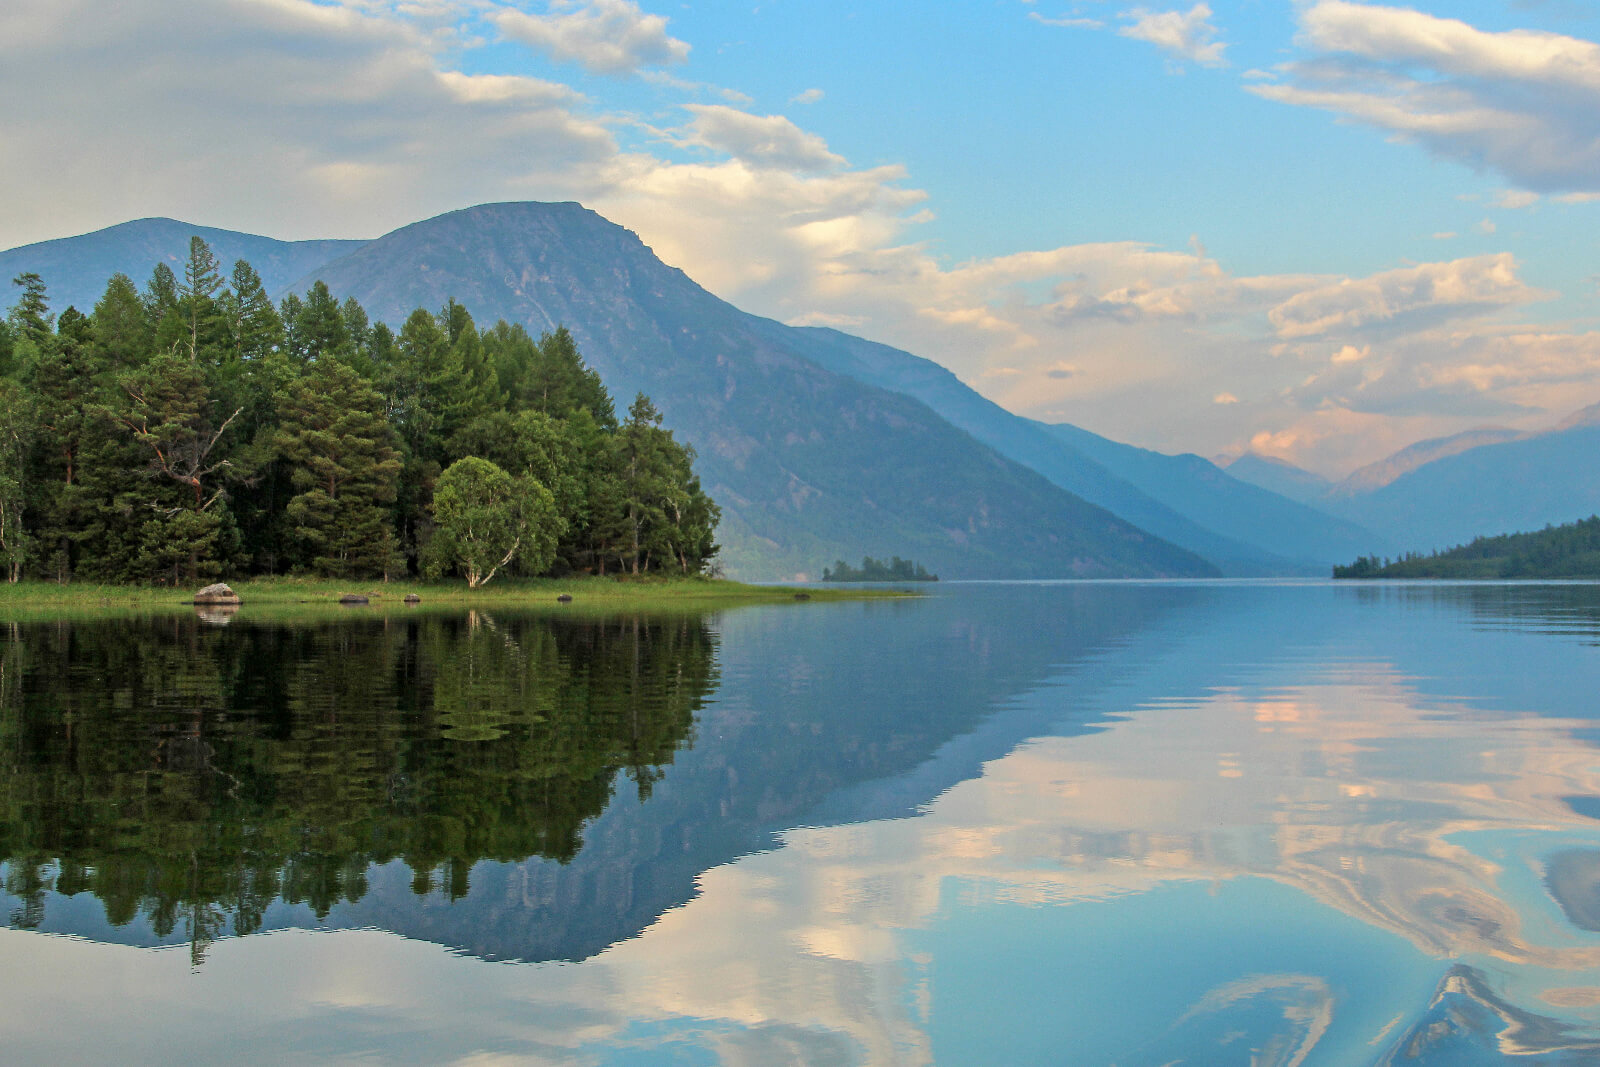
(194, 775)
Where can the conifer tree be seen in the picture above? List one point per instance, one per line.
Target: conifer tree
(320, 330)
(166, 409)
(31, 315)
(254, 328)
(197, 297)
(122, 329)
(16, 438)
(344, 461)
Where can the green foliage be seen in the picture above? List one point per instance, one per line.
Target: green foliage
(344, 461)
(1568, 551)
(487, 518)
(16, 439)
(194, 429)
(31, 315)
(877, 570)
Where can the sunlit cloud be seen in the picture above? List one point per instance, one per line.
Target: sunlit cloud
(760, 140)
(1521, 103)
(1184, 34)
(603, 36)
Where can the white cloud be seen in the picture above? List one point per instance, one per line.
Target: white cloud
(1515, 199)
(1522, 103)
(1404, 298)
(603, 36)
(1188, 35)
(1068, 22)
(336, 121)
(760, 140)
(809, 96)
(1224, 398)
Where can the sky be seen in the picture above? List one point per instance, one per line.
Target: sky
(1319, 230)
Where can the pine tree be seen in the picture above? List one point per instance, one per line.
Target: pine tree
(343, 458)
(122, 328)
(197, 298)
(254, 328)
(166, 410)
(31, 315)
(16, 438)
(319, 327)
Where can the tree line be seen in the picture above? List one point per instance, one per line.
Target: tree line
(1571, 550)
(894, 569)
(192, 428)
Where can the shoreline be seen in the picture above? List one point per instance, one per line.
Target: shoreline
(280, 596)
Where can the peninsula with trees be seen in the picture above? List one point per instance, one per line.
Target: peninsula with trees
(1568, 551)
(191, 428)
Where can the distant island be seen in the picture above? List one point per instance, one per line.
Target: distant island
(1568, 551)
(877, 570)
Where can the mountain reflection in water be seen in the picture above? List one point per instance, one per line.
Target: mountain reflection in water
(1028, 823)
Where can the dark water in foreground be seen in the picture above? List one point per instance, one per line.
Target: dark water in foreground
(1080, 823)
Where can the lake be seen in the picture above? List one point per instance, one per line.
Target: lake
(1097, 823)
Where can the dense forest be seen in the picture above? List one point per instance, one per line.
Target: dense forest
(1568, 551)
(192, 429)
(877, 570)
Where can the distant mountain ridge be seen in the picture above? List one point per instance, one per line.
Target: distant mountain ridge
(1375, 476)
(1449, 490)
(76, 268)
(1278, 476)
(1184, 499)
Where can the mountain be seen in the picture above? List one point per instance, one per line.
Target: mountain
(76, 269)
(1589, 416)
(1184, 499)
(809, 465)
(1278, 476)
(1205, 493)
(1524, 484)
(1375, 476)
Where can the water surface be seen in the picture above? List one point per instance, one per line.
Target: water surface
(1089, 823)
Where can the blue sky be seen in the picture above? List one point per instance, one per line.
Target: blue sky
(1319, 229)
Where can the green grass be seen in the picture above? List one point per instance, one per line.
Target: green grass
(298, 597)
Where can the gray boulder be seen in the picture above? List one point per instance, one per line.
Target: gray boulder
(219, 593)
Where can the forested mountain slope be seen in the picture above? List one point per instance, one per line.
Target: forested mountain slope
(808, 465)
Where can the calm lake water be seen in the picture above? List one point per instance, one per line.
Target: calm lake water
(1202, 823)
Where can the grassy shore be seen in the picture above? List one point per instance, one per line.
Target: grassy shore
(295, 596)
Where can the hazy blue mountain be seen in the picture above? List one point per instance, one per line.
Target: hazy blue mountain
(1525, 484)
(1278, 476)
(1029, 443)
(1375, 476)
(1202, 491)
(75, 269)
(809, 465)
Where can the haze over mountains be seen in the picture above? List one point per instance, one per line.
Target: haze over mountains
(1446, 491)
(820, 445)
